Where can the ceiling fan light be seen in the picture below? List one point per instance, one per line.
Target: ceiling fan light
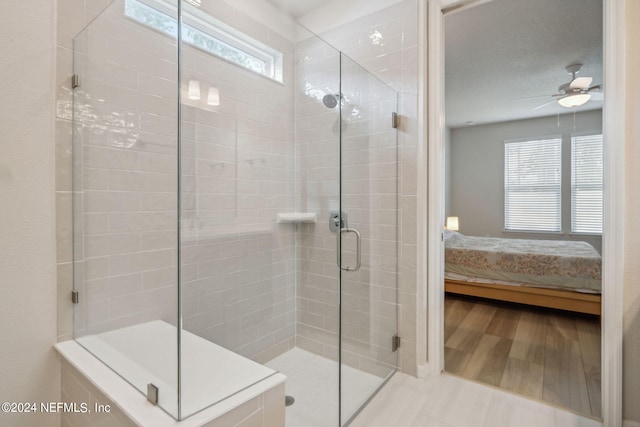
(574, 100)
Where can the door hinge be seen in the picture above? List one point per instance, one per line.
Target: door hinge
(394, 120)
(75, 81)
(152, 393)
(395, 343)
(75, 297)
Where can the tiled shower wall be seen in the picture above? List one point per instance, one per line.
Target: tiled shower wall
(237, 174)
(369, 196)
(385, 43)
(125, 186)
(318, 190)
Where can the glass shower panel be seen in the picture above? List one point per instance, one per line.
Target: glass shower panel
(237, 175)
(369, 200)
(125, 197)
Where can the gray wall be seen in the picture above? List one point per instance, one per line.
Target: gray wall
(476, 187)
(447, 172)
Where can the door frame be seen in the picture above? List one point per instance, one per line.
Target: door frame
(431, 202)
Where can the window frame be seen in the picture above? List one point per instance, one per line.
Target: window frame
(195, 21)
(572, 138)
(558, 139)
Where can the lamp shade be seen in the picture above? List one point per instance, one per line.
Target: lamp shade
(574, 100)
(452, 223)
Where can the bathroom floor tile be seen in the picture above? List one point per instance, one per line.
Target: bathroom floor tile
(449, 401)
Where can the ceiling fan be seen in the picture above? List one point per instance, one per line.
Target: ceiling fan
(575, 93)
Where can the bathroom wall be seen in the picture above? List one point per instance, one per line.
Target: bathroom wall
(385, 43)
(237, 174)
(28, 363)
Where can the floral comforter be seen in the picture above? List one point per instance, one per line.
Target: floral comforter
(547, 263)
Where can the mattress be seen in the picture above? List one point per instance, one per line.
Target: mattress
(545, 263)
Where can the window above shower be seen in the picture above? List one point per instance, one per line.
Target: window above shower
(206, 33)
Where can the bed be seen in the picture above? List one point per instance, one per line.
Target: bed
(557, 274)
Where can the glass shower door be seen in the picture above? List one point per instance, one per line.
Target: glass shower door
(368, 236)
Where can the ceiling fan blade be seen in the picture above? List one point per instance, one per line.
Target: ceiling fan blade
(596, 96)
(580, 83)
(553, 101)
(535, 97)
(595, 87)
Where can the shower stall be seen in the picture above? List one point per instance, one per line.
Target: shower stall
(235, 211)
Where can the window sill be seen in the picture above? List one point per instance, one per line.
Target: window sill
(548, 233)
(552, 233)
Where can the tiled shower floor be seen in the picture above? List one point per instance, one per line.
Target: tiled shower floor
(313, 381)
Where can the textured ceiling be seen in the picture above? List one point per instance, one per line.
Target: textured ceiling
(503, 50)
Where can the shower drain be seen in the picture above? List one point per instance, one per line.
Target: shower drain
(289, 400)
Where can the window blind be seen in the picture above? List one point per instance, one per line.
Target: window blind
(586, 184)
(532, 178)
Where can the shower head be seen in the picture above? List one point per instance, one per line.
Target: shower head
(330, 100)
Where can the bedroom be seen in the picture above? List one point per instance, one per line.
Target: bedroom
(500, 151)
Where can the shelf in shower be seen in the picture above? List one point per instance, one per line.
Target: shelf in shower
(207, 234)
(297, 217)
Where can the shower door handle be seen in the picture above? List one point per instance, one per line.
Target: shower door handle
(358, 249)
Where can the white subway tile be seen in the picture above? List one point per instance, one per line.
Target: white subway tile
(114, 286)
(96, 268)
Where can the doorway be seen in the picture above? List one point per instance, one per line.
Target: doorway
(611, 375)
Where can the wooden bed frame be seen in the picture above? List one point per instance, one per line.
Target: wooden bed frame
(541, 297)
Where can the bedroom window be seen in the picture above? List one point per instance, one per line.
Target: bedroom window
(208, 34)
(586, 184)
(532, 190)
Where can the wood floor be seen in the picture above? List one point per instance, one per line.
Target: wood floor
(548, 355)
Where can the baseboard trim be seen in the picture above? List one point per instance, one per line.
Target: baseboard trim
(629, 423)
(423, 371)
